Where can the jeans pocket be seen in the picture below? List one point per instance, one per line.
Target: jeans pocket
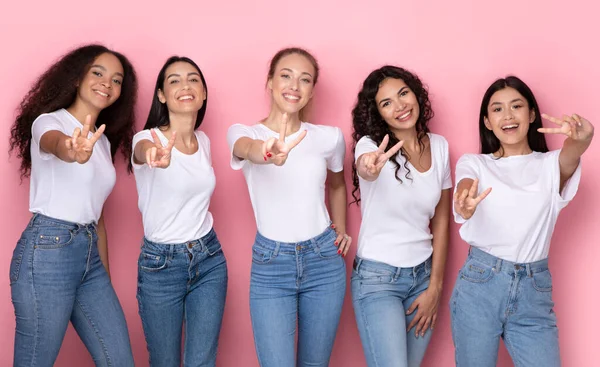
(328, 249)
(150, 261)
(542, 281)
(53, 237)
(371, 277)
(17, 259)
(475, 272)
(261, 255)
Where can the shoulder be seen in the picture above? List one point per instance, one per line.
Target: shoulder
(325, 130)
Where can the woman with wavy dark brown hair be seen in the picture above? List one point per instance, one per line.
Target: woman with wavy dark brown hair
(68, 129)
(405, 191)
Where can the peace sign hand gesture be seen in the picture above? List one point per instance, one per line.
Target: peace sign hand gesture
(79, 146)
(159, 156)
(276, 150)
(370, 164)
(466, 202)
(574, 126)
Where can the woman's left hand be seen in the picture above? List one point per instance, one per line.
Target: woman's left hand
(574, 126)
(426, 305)
(343, 241)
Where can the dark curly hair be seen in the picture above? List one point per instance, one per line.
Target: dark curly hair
(57, 88)
(489, 142)
(366, 120)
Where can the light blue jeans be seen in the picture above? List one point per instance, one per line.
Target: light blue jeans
(495, 298)
(296, 283)
(381, 294)
(56, 276)
(180, 283)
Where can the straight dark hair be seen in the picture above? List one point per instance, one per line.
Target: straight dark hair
(159, 113)
(489, 142)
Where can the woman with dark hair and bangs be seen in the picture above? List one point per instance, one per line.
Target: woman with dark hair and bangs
(504, 289)
(405, 204)
(67, 132)
(182, 272)
(298, 277)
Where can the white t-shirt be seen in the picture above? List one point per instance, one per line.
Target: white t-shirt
(396, 216)
(289, 200)
(69, 191)
(516, 220)
(174, 200)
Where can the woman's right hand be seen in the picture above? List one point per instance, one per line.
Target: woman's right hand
(79, 146)
(276, 150)
(159, 156)
(466, 202)
(369, 165)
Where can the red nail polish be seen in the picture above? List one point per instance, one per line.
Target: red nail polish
(265, 158)
(268, 154)
(335, 243)
(339, 251)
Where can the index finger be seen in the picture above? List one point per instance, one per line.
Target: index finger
(297, 140)
(283, 128)
(384, 143)
(97, 134)
(393, 150)
(172, 140)
(552, 119)
(87, 126)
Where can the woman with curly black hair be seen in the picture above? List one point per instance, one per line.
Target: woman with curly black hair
(402, 244)
(69, 127)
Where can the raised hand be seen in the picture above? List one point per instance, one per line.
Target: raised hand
(370, 164)
(276, 150)
(159, 156)
(574, 126)
(79, 146)
(466, 202)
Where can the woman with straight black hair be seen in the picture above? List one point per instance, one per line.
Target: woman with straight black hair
(182, 272)
(70, 125)
(504, 289)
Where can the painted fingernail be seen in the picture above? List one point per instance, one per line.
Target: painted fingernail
(339, 251)
(333, 226)
(335, 243)
(268, 154)
(265, 158)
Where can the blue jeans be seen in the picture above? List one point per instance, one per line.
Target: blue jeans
(180, 283)
(381, 294)
(56, 276)
(495, 299)
(296, 283)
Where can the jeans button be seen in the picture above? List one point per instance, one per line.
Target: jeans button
(190, 245)
(517, 267)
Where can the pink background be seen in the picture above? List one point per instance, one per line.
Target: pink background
(457, 47)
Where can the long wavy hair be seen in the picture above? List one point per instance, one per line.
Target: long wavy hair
(489, 142)
(57, 87)
(367, 121)
(294, 51)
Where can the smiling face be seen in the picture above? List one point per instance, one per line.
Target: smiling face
(397, 104)
(183, 90)
(101, 85)
(292, 83)
(509, 116)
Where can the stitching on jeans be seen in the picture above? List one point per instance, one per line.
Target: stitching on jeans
(510, 347)
(367, 330)
(89, 320)
(35, 302)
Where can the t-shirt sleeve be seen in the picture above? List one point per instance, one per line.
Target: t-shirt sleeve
(466, 167)
(335, 159)
(364, 145)
(570, 189)
(447, 174)
(234, 133)
(40, 126)
(205, 143)
(142, 135)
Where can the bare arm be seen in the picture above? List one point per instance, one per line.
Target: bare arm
(337, 206)
(440, 232)
(77, 148)
(250, 149)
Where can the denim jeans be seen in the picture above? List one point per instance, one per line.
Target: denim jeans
(381, 294)
(180, 283)
(495, 299)
(56, 276)
(296, 284)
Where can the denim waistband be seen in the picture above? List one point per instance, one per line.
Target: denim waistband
(499, 264)
(293, 247)
(182, 247)
(40, 220)
(377, 266)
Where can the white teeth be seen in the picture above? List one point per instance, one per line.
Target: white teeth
(185, 98)
(288, 96)
(405, 115)
(100, 93)
(509, 127)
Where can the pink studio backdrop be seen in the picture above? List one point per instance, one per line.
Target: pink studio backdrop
(457, 47)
